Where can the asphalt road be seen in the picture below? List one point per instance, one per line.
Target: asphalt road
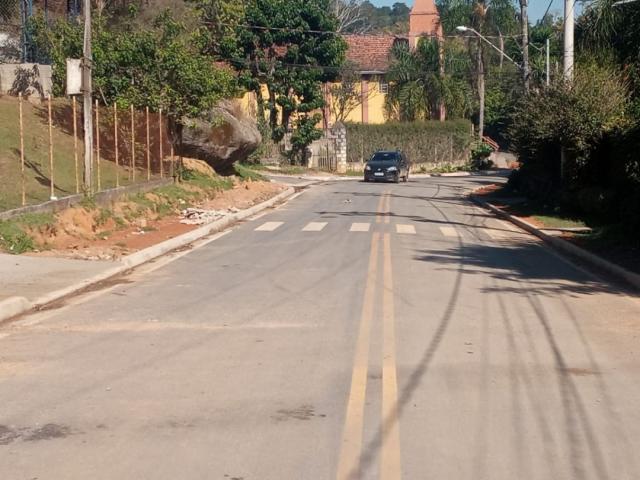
(361, 331)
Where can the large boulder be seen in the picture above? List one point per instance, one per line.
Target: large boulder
(225, 137)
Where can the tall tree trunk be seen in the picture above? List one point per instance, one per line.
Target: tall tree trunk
(501, 39)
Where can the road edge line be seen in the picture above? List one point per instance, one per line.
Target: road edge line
(15, 306)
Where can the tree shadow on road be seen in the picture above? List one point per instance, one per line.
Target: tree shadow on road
(534, 273)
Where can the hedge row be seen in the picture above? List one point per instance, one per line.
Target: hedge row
(423, 142)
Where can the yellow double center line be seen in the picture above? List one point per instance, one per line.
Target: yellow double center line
(349, 465)
(384, 208)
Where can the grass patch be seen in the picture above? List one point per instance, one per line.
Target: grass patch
(206, 182)
(252, 166)
(103, 216)
(249, 173)
(175, 194)
(13, 238)
(36, 153)
(36, 220)
(120, 223)
(547, 216)
(292, 170)
(142, 201)
(88, 203)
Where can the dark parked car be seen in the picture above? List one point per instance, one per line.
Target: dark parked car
(389, 166)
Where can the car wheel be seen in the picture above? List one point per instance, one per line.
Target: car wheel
(397, 178)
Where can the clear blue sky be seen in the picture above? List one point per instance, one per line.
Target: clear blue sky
(536, 7)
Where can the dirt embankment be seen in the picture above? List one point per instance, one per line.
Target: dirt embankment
(95, 232)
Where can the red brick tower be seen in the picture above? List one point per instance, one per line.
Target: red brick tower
(424, 21)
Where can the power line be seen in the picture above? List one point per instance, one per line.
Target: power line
(329, 32)
(547, 10)
(334, 68)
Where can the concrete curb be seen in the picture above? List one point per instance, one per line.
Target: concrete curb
(501, 172)
(566, 247)
(312, 178)
(14, 306)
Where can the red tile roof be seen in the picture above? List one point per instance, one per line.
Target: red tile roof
(370, 53)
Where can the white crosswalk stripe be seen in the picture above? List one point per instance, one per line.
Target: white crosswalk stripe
(360, 227)
(405, 229)
(314, 227)
(268, 226)
(449, 232)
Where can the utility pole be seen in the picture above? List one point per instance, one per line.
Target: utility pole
(525, 44)
(568, 68)
(548, 66)
(86, 92)
(568, 39)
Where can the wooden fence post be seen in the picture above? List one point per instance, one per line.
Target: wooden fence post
(98, 144)
(171, 164)
(115, 142)
(133, 146)
(75, 142)
(51, 179)
(160, 135)
(148, 146)
(24, 194)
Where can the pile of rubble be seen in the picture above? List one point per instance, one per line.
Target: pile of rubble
(199, 216)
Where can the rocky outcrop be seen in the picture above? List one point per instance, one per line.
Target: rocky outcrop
(225, 137)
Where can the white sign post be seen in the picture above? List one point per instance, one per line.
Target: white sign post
(74, 76)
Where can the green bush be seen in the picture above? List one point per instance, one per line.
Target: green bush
(600, 176)
(577, 118)
(423, 142)
(480, 156)
(13, 239)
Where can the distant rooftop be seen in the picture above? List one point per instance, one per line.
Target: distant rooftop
(371, 53)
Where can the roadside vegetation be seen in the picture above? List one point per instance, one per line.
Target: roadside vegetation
(90, 221)
(37, 168)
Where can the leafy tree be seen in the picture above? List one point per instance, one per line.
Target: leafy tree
(285, 50)
(345, 94)
(157, 67)
(394, 19)
(417, 87)
(550, 28)
(220, 20)
(576, 117)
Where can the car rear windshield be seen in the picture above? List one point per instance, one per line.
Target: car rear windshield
(384, 158)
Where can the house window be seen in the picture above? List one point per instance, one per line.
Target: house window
(384, 88)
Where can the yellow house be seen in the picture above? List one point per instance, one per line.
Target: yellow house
(371, 57)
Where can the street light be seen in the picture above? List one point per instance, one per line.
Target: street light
(462, 28)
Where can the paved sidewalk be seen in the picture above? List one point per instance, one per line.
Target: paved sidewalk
(34, 277)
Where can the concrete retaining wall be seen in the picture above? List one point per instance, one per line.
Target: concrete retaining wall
(30, 79)
(101, 198)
